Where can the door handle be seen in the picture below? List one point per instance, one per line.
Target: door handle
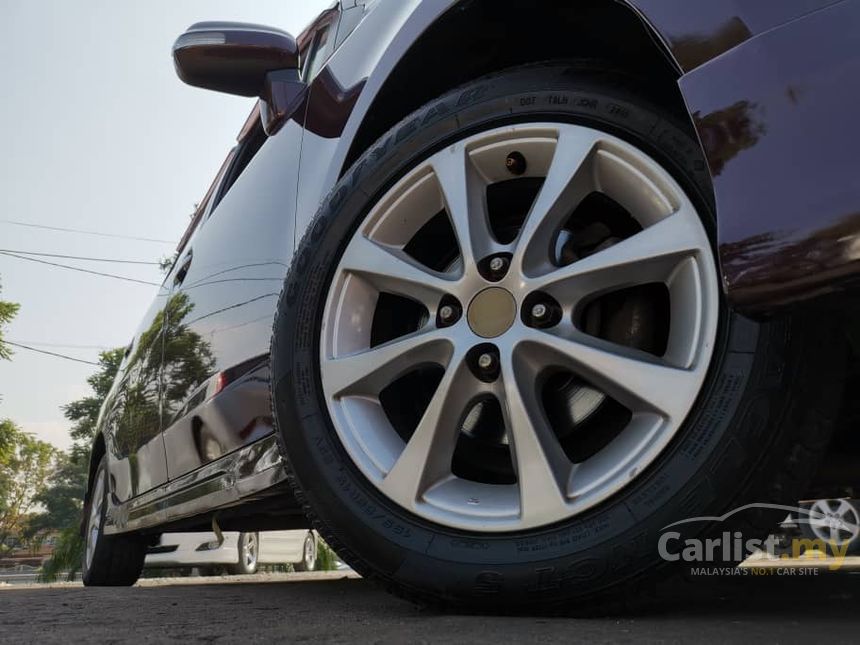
(183, 269)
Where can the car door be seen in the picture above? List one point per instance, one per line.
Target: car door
(223, 304)
(137, 459)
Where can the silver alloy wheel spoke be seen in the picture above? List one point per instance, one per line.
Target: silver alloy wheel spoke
(463, 194)
(250, 549)
(636, 379)
(427, 455)
(566, 185)
(647, 257)
(391, 270)
(370, 371)
(543, 469)
(844, 509)
(418, 474)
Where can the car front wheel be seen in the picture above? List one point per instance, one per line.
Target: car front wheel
(502, 362)
(108, 560)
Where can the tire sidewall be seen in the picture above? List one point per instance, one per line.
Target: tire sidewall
(101, 474)
(597, 548)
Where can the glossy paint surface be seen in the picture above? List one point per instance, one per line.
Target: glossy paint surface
(225, 307)
(701, 30)
(131, 419)
(233, 57)
(777, 118)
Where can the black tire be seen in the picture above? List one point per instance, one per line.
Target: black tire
(117, 560)
(755, 435)
(243, 567)
(307, 563)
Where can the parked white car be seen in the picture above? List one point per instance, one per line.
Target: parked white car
(240, 553)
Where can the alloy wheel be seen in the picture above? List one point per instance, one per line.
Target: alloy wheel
(95, 520)
(519, 327)
(250, 551)
(836, 521)
(309, 553)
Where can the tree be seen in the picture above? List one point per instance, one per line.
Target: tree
(63, 497)
(8, 310)
(25, 463)
(84, 413)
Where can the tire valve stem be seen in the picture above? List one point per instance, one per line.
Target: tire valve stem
(516, 163)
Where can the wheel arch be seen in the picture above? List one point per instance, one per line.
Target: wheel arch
(443, 56)
(98, 451)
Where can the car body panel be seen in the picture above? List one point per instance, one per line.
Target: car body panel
(202, 549)
(241, 253)
(211, 426)
(131, 417)
(697, 32)
(777, 119)
(244, 475)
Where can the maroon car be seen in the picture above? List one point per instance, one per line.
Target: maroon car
(491, 292)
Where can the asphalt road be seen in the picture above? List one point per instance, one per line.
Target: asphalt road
(311, 607)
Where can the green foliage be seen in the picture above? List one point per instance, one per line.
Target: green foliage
(84, 413)
(326, 557)
(66, 556)
(63, 497)
(8, 310)
(25, 464)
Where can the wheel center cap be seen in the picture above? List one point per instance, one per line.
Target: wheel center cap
(492, 312)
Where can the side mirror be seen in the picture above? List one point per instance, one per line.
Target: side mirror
(244, 59)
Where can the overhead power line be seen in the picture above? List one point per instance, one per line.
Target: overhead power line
(79, 257)
(54, 354)
(85, 232)
(71, 268)
(62, 345)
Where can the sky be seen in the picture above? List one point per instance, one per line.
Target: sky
(100, 135)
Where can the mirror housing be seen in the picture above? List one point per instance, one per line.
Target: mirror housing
(243, 59)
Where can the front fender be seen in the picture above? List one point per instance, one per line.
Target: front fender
(769, 87)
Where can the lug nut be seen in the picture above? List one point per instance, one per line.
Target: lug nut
(540, 311)
(497, 267)
(448, 315)
(487, 362)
